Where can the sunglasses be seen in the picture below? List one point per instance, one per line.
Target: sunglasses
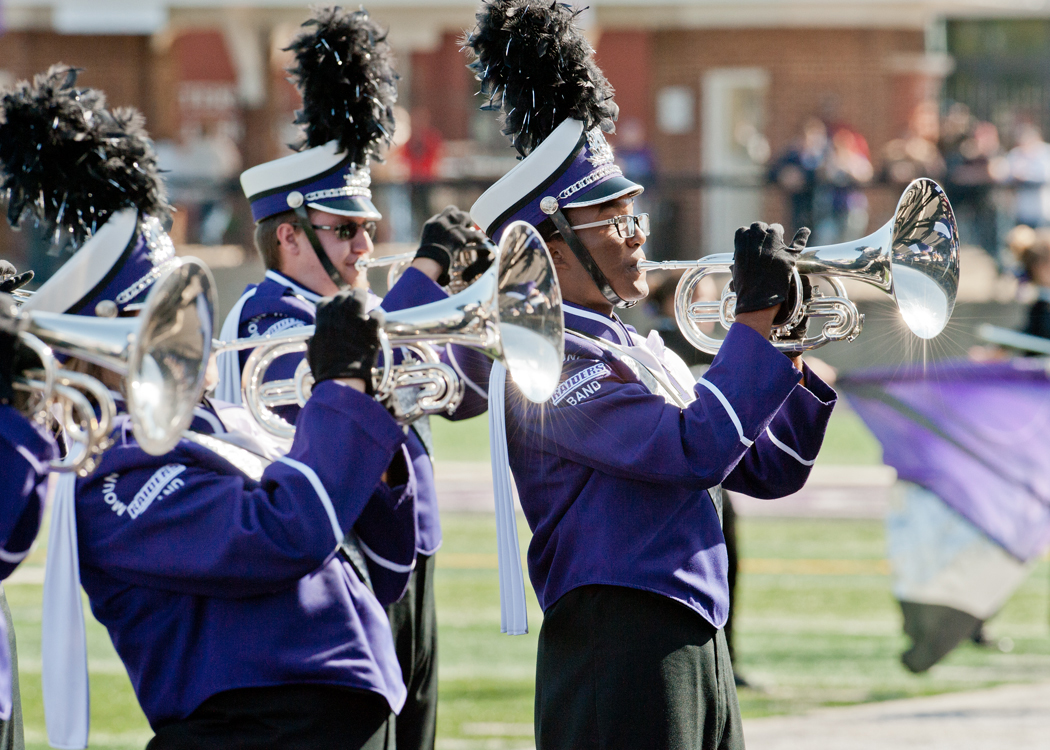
(625, 224)
(346, 232)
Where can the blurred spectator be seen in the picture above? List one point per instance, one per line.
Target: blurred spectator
(797, 171)
(423, 152)
(846, 168)
(1032, 250)
(976, 164)
(1029, 163)
(202, 179)
(916, 154)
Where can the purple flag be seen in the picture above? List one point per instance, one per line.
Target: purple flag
(977, 435)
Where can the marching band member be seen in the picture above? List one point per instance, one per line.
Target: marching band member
(235, 588)
(314, 221)
(617, 472)
(25, 450)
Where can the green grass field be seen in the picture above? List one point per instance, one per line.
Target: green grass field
(816, 625)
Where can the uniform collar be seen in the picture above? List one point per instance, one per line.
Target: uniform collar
(279, 278)
(205, 419)
(585, 320)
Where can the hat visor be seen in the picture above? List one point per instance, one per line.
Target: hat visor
(609, 190)
(348, 205)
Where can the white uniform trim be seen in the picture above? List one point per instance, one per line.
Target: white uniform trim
(787, 449)
(38, 467)
(729, 410)
(610, 323)
(13, 557)
(302, 291)
(470, 383)
(383, 562)
(321, 492)
(229, 386)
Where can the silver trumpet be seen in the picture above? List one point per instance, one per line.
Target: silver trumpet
(914, 258)
(511, 314)
(398, 263)
(162, 355)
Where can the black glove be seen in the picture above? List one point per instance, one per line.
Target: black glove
(762, 266)
(345, 339)
(11, 279)
(449, 234)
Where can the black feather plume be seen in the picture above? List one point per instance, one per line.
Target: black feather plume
(345, 74)
(536, 65)
(68, 162)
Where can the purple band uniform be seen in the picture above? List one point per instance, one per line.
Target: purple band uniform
(613, 479)
(279, 304)
(24, 453)
(245, 587)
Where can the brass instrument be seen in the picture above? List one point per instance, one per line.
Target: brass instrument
(914, 258)
(512, 314)
(162, 356)
(398, 263)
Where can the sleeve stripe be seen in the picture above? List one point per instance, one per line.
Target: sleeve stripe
(38, 466)
(383, 562)
(455, 364)
(787, 449)
(321, 492)
(729, 410)
(14, 557)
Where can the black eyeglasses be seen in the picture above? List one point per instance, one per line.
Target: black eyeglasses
(346, 232)
(624, 224)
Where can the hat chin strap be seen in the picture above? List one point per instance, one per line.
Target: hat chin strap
(315, 243)
(584, 256)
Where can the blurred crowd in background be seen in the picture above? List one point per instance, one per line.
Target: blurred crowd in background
(997, 177)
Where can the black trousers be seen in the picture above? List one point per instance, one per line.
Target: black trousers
(620, 668)
(413, 621)
(283, 717)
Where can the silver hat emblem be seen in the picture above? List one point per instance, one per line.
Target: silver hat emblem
(549, 205)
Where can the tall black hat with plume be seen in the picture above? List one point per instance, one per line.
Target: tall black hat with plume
(88, 175)
(343, 69)
(537, 67)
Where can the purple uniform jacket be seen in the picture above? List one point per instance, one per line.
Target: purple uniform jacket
(613, 479)
(24, 453)
(279, 304)
(208, 580)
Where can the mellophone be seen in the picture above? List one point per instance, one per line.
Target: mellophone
(914, 258)
(161, 356)
(511, 314)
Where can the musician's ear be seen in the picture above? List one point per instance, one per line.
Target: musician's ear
(559, 252)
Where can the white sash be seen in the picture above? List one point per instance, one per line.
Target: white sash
(513, 615)
(63, 639)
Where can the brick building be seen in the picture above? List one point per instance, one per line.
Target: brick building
(707, 88)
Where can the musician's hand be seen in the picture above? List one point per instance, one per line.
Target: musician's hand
(11, 279)
(762, 266)
(345, 339)
(447, 236)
